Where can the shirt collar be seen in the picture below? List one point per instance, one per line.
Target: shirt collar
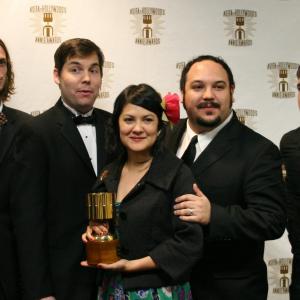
(74, 111)
(1, 106)
(212, 133)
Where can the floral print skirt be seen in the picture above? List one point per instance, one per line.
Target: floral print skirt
(112, 289)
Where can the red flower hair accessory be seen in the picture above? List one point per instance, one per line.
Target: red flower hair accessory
(170, 105)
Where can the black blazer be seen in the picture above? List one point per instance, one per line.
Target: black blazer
(9, 274)
(290, 150)
(240, 173)
(55, 174)
(148, 226)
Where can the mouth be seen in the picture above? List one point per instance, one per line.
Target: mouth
(208, 104)
(136, 138)
(85, 92)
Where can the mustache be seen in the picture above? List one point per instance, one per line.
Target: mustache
(208, 104)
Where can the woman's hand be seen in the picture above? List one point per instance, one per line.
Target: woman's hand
(94, 229)
(124, 265)
(121, 265)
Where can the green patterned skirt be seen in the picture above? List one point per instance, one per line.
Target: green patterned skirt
(112, 289)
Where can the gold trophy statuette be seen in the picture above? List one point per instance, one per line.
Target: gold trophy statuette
(103, 249)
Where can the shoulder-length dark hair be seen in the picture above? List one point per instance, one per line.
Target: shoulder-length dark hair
(9, 86)
(141, 95)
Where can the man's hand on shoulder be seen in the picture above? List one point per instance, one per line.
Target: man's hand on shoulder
(193, 208)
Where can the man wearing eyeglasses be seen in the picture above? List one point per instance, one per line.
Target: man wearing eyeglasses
(10, 122)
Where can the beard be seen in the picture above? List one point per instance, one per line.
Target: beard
(212, 123)
(208, 104)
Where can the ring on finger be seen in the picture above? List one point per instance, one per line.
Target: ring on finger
(190, 212)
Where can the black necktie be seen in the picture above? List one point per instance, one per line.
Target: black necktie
(3, 119)
(190, 152)
(79, 120)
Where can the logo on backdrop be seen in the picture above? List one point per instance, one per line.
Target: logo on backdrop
(147, 25)
(180, 66)
(108, 66)
(282, 78)
(239, 25)
(47, 23)
(246, 116)
(279, 275)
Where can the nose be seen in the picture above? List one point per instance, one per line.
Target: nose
(208, 93)
(86, 76)
(138, 127)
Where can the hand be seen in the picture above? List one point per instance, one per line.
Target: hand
(121, 265)
(193, 208)
(92, 229)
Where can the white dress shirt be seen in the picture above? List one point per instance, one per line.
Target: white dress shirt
(88, 135)
(203, 138)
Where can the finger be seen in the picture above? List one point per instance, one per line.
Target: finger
(83, 237)
(85, 264)
(187, 212)
(104, 266)
(182, 198)
(98, 229)
(197, 190)
(188, 218)
(89, 234)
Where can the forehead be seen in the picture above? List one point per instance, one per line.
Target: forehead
(2, 53)
(132, 109)
(91, 59)
(207, 70)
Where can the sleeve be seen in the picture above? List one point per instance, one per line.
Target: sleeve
(260, 212)
(177, 255)
(290, 151)
(28, 206)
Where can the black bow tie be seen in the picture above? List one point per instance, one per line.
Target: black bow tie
(79, 120)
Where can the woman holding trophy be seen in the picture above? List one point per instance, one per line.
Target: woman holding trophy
(156, 249)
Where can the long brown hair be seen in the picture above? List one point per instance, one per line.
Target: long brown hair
(9, 86)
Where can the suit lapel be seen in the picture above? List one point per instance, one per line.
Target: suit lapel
(219, 146)
(71, 134)
(100, 136)
(7, 133)
(174, 135)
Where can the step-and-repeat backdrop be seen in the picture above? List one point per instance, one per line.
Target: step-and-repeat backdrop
(150, 41)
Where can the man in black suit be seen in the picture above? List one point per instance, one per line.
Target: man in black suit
(59, 155)
(241, 200)
(11, 121)
(290, 150)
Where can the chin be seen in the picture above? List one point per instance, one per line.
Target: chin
(209, 122)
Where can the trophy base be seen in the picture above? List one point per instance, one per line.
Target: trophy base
(102, 252)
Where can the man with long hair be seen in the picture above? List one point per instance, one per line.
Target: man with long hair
(10, 123)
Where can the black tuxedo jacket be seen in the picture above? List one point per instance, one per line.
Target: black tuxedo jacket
(240, 173)
(290, 150)
(49, 204)
(9, 275)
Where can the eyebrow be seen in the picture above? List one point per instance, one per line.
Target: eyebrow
(79, 64)
(215, 82)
